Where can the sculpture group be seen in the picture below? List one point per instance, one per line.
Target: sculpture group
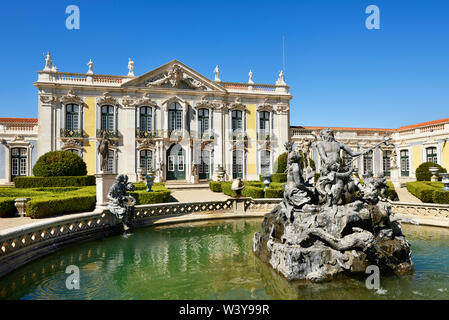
(336, 226)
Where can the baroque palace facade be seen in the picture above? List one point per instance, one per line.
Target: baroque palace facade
(172, 120)
(183, 126)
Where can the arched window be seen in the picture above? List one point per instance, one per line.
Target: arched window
(19, 162)
(146, 119)
(431, 155)
(264, 121)
(71, 117)
(203, 120)
(386, 162)
(265, 162)
(175, 117)
(237, 120)
(107, 118)
(237, 164)
(146, 160)
(368, 162)
(405, 163)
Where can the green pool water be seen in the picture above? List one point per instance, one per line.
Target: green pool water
(211, 260)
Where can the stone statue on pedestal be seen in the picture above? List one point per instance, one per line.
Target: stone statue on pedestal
(103, 150)
(120, 203)
(337, 228)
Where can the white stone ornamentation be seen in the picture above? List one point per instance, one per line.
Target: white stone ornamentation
(91, 67)
(130, 68)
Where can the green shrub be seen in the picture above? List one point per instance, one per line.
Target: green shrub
(391, 192)
(59, 164)
(282, 163)
(50, 207)
(7, 207)
(253, 192)
(39, 182)
(274, 193)
(143, 197)
(423, 173)
(277, 185)
(422, 190)
(279, 177)
(440, 196)
(258, 184)
(215, 186)
(226, 188)
(142, 186)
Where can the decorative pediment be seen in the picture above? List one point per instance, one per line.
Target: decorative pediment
(237, 104)
(170, 100)
(265, 106)
(146, 144)
(71, 144)
(71, 97)
(107, 99)
(129, 102)
(174, 75)
(206, 102)
(48, 99)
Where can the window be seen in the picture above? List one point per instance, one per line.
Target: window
(237, 164)
(264, 121)
(71, 117)
(146, 119)
(175, 117)
(204, 163)
(237, 122)
(107, 118)
(180, 162)
(368, 163)
(265, 162)
(386, 162)
(431, 155)
(171, 166)
(203, 120)
(19, 162)
(111, 160)
(405, 164)
(146, 160)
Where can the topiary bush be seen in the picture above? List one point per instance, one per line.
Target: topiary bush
(440, 196)
(144, 197)
(423, 173)
(423, 190)
(50, 207)
(274, 193)
(58, 164)
(253, 192)
(7, 207)
(282, 163)
(215, 186)
(40, 182)
(279, 177)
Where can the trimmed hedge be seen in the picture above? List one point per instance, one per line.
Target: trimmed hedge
(274, 193)
(423, 190)
(423, 173)
(441, 197)
(215, 186)
(282, 163)
(143, 197)
(59, 164)
(50, 207)
(39, 182)
(253, 192)
(7, 207)
(279, 177)
(391, 192)
(142, 186)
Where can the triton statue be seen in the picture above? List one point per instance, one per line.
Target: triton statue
(121, 204)
(338, 227)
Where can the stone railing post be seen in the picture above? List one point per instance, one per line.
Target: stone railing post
(103, 182)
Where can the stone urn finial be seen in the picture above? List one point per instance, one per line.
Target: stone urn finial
(237, 186)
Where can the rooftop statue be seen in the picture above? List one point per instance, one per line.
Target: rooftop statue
(337, 227)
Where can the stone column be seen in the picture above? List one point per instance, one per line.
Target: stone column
(47, 125)
(103, 182)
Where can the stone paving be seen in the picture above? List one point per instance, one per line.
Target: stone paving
(405, 196)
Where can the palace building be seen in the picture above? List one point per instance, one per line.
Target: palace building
(172, 120)
(184, 126)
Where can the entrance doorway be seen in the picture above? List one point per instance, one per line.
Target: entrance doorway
(204, 168)
(176, 168)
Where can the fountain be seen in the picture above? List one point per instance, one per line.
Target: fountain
(445, 180)
(338, 227)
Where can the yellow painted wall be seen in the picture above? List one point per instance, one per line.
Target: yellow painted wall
(417, 157)
(445, 155)
(252, 138)
(89, 128)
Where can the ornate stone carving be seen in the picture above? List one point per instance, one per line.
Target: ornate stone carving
(146, 144)
(130, 68)
(71, 97)
(128, 102)
(107, 99)
(281, 108)
(48, 99)
(71, 144)
(337, 227)
(265, 106)
(145, 100)
(237, 104)
(175, 78)
(120, 203)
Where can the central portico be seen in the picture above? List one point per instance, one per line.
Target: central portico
(171, 120)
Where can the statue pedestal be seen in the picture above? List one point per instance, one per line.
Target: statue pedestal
(103, 182)
(395, 177)
(238, 204)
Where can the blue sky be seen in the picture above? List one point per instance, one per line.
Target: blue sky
(340, 73)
